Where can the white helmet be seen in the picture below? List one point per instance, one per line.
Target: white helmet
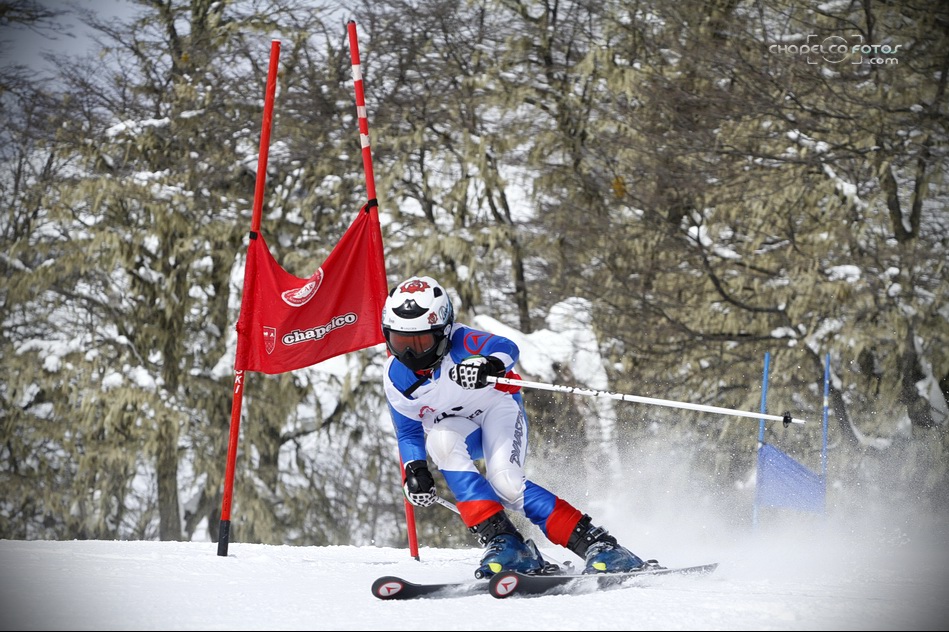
(416, 322)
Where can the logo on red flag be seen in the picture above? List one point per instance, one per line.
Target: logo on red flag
(270, 339)
(300, 296)
(277, 307)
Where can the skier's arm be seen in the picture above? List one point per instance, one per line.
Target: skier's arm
(419, 485)
(490, 355)
(503, 349)
(410, 435)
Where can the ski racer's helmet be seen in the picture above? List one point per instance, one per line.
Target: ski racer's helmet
(416, 321)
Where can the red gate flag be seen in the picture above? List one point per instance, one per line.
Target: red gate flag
(288, 323)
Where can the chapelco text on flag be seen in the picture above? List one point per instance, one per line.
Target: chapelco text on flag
(287, 323)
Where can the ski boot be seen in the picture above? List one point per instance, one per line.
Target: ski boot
(506, 549)
(600, 550)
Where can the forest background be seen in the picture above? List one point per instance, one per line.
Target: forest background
(677, 188)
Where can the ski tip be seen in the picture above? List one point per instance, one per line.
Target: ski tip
(504, 584)
(388, 587)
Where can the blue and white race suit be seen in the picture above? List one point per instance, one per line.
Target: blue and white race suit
(458, 427)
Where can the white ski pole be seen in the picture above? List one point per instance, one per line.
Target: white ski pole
(447, 503)
(786, 418)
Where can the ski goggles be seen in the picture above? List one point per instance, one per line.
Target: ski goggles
(416, 342)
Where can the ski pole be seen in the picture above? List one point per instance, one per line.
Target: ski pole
(786, 418)
(447, 503)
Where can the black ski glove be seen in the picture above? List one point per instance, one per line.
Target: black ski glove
(419, 487)
(473, 371)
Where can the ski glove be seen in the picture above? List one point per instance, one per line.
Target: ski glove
(419, 486)
(473, 371)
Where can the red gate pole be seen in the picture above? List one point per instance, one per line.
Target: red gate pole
(371, 190)
(224, 531)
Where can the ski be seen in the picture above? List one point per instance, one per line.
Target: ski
(391, 587)
(508, 583)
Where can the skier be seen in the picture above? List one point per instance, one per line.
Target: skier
(443, 406)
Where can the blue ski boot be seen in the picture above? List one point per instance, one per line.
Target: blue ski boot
(506, 549)
(600, 550)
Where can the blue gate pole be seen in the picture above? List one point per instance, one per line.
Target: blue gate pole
(764, 397)
(823, 451)
(764, 411)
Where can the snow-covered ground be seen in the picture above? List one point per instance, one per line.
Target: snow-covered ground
(820, 577)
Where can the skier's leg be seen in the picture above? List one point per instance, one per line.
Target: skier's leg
(565, 525)
(454, 444)
(504, 439)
